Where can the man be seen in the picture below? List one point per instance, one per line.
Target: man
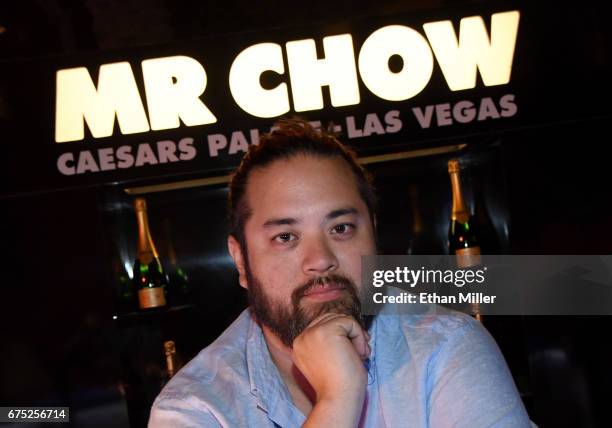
(302, 215)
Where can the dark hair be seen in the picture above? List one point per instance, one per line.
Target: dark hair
(291, 137)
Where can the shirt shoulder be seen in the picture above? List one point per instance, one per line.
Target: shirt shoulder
(428, 332)
(451, 362)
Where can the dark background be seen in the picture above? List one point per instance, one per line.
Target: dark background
(545, 184)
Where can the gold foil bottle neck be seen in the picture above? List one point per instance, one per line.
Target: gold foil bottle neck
(453, 166)
(169, 347)
(171, 363)
(459, 211)
(146, 248)
(140, 204)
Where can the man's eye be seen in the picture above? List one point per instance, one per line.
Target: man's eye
(284, 237)
(343, 228)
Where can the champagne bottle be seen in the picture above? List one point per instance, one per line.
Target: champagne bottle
(126, 293)
(149, 276)
(462, 239)
(172, 360)
(416, 226)
(488, 238)
(461, 234)
(179, 290)
(423, 237)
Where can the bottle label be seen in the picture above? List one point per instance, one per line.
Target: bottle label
(467, 257)
(151, 297)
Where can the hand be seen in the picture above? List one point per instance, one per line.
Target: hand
(329, 354)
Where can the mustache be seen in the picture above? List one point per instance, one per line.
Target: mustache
(341, 280)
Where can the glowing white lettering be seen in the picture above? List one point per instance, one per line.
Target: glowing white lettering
(173, 86)
(78, 100)
(337, 71)
(244, 81)
(459, 60)
(374, 63)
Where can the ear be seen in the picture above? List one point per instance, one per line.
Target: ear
(236, 252)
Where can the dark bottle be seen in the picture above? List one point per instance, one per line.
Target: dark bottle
(126, 294)
(179, 291)
(462, 239)
(488, 238)
(416, 225)
(423, 239)
(149, 276)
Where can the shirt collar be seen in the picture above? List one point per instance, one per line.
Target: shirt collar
(266, 383)
(370, 363)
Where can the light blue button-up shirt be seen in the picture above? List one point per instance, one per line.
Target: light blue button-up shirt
(438, 369)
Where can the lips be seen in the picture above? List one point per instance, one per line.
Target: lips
(321, 288)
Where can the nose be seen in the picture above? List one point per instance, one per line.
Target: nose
(318, 257)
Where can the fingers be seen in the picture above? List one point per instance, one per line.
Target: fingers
(359, 338)
(347, 326)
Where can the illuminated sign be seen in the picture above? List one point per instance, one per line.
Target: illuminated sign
(175, 86)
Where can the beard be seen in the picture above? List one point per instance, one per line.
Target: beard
(288, 322)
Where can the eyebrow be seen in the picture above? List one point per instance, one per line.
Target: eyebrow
(290, 221)
(340, 212)
(280, 221)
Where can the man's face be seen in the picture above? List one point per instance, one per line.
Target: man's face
(307, 232)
